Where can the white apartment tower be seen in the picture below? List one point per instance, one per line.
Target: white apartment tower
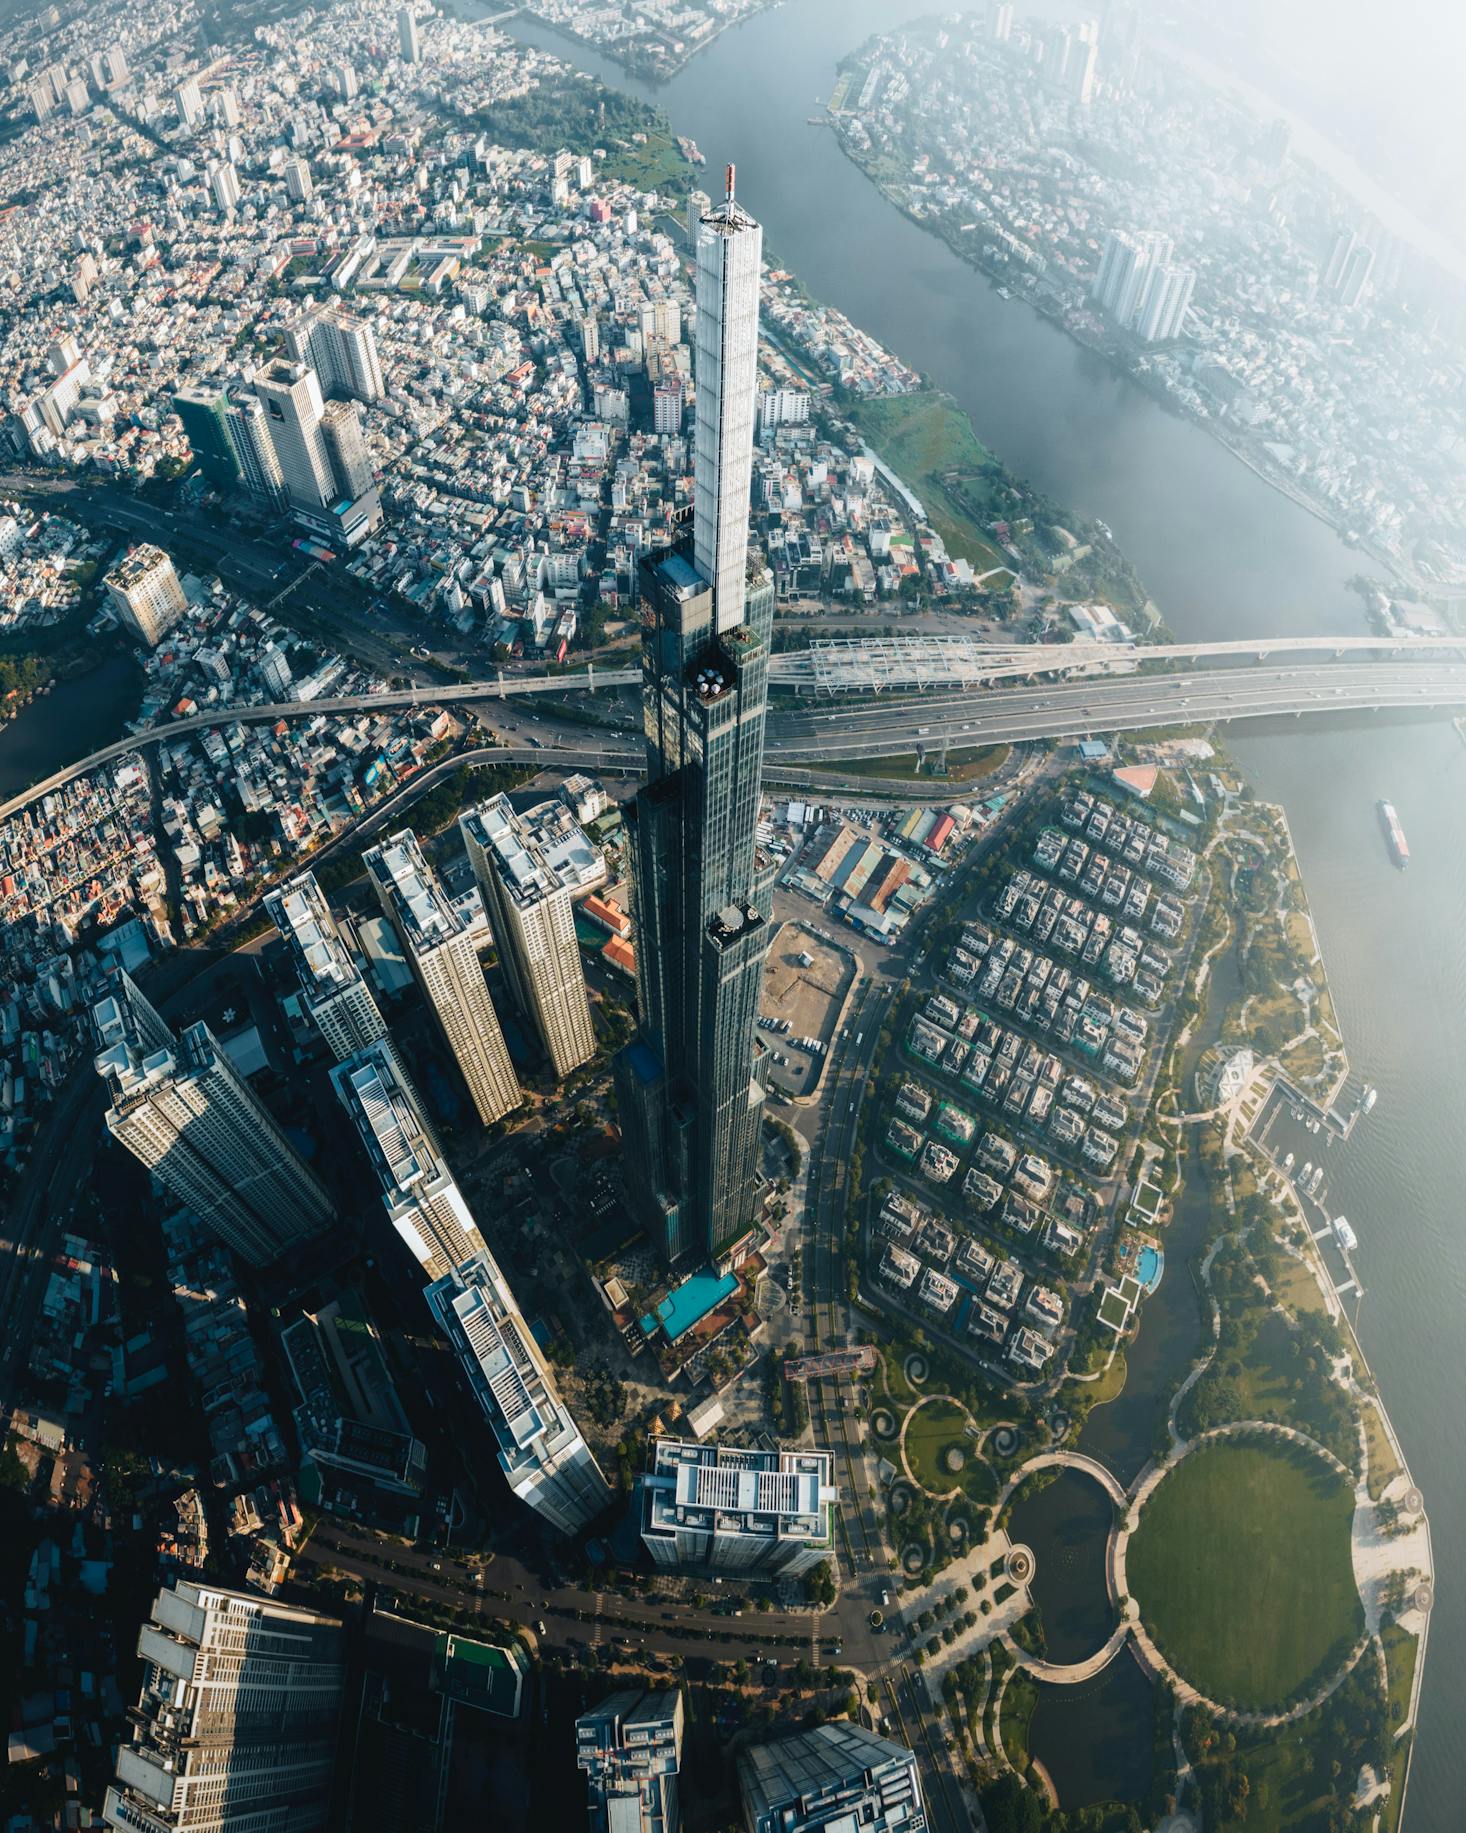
(235, 1726)
(530, 913)
(545, 1461)
(407, 36)
(291, 397)
(332, 990)
(224, 184)
(729, 262)
(445, 965)
(189, 102)
(249, 434)
(719, 1509)
(342, 349)
(185, 1112)
(298, 181)
(144, 591)
(423, 1202)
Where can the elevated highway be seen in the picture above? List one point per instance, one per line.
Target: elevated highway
(893, 726)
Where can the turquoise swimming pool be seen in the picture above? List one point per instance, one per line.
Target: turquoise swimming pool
(688, 1304)
(1149, 1267)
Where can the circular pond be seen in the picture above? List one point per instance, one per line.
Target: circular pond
(1067, 1524)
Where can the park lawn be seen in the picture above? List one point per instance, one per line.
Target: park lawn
(1401, 1649)
(932, 1427)
(1241, 1568)
(1384, 1466)
(1019, 1705)
(1296, 1288)
(923, 437)
(657, 166)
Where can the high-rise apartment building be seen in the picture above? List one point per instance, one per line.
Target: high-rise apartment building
(530, 913)
(445, 964)
(630, 1747)
(236, 1723)
(298, 181)
(183, 1110)
(341, 348)
(545, 1461)
(291, 396)
(204, 411)
(259, 467)
(689, 1091)
(145, 593)
(719, 1509)
(123, 1014)
(333, 992)
(224, 185)
(189, 101)
(667, 406)
(351, 464)
(423, 1202)
(838, 1775)
(1356, 275)
(407, 36)
(1162, 312)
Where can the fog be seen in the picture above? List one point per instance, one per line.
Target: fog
(1382, 82)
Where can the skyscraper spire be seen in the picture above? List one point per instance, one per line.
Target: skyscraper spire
(689, 1090)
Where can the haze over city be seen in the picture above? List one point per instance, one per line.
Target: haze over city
(731, 980)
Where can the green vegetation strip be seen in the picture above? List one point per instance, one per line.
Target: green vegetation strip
(1242, 1571)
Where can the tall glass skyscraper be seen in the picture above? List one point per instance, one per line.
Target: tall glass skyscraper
(689, 1089)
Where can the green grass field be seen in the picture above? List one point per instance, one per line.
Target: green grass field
(934, 1426)
(1241, 1568)
(922, 437)
(963, 766)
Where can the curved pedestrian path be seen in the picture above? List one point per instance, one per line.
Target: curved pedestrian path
(1067, 1460)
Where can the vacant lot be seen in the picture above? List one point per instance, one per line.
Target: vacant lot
(1241, 1568)
(805, 981)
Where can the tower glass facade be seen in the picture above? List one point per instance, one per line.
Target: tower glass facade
(689, 1089)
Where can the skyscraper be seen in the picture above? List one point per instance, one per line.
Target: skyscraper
(689, 1092)
(351, 464)
(185, 1112)
(235, 1725)
(423, 1202)
(445, 965)
(341, 348)
(545, 1461)
(630, 1747)
(144, 591)
(407, 37)
(724, 1509)
(1162, 312)
(224, 183)
(189, 102)
(335, 996)
(529, 909)
(259, 468)
(292, 400)
(204, 411)
(834, 1776)
(298, 181)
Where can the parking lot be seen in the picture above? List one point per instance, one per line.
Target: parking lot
(805, 984)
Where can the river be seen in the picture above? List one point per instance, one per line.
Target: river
(77, 717)
(1223, 555)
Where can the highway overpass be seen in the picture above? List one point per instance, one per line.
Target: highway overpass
(821, 733)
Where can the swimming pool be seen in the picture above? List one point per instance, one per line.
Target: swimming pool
(1149, 1267)
(688, 1304)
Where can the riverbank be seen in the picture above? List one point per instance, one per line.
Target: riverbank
(1055, 312)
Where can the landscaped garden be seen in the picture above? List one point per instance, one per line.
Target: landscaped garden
(1241, 1568)
(942, 1452)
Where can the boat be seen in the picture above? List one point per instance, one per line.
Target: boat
(1003, 293)
(1288, 1162)
(1371, 1095)
(1345, 1235)
(1304, 1173)
(1394, 835)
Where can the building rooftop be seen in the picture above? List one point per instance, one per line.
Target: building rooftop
(763, 1493)
(322, 962)
(391, 1128)
(411, 886)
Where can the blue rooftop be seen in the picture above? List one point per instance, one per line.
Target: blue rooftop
(688, 1304)
(682, 573)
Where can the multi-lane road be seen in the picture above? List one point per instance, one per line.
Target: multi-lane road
(812, 734)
